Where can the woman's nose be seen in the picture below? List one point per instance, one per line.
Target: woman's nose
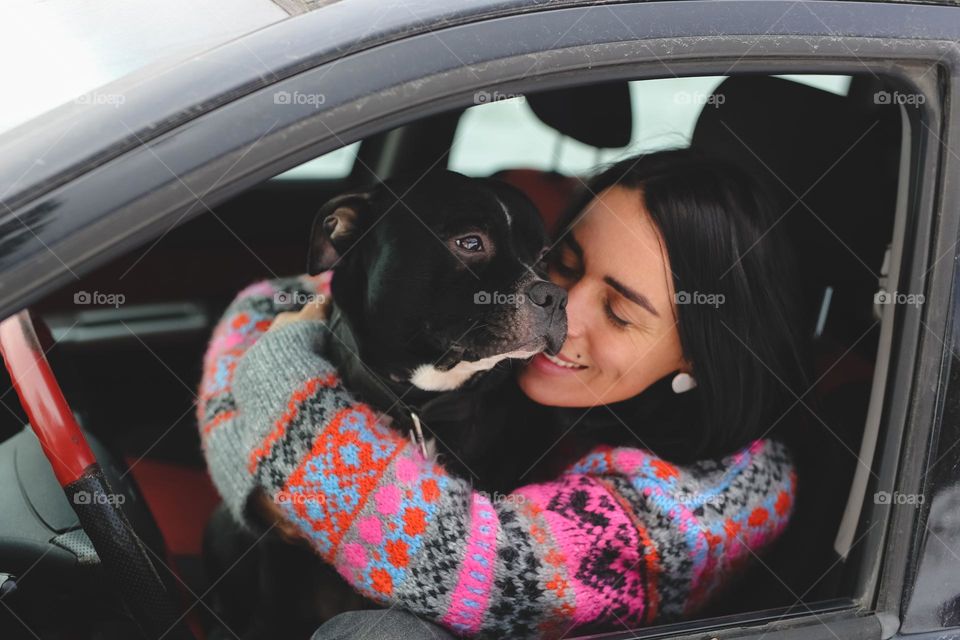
(577, 310)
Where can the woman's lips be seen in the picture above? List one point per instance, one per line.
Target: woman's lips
(563, 359)
(555, 365)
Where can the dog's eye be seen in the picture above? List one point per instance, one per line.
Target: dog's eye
(473, 244)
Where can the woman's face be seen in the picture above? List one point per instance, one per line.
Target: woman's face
(621, 324)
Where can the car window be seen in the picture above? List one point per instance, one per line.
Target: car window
(502, 132)
(330, 166)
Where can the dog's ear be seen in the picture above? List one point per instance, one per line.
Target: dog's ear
(336, 227)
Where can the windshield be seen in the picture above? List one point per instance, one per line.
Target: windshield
(57, 50)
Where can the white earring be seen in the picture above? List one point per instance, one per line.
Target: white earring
(683, 382)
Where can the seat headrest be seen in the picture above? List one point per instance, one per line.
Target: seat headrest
(791, 128)
(837, 154)
(599, 115)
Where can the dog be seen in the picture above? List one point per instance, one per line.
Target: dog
(437, 289)
(434, 293)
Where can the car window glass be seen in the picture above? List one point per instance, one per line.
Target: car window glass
(329, 166)
(502, 132)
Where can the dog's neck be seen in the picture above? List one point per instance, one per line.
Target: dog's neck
(399, 399)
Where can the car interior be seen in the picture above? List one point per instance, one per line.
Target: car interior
(130, 364)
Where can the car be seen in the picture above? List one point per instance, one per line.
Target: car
(134, 213)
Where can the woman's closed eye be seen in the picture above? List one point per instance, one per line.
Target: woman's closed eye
(611, 314)
(569, 267)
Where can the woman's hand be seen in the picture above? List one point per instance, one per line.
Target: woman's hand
(317, 309)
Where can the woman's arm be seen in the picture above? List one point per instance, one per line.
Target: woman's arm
(623, 537)
(248, 317)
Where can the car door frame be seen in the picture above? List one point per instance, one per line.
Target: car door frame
(61, 225)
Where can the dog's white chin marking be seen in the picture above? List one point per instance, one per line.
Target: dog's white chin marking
(429, 378)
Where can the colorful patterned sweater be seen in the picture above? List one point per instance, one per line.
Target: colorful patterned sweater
(622, 538)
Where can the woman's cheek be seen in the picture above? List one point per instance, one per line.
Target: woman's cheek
(610, 356)
(624, 368)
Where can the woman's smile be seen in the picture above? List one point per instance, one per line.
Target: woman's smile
(555, 365)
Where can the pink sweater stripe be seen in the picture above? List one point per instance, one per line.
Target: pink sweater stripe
(472, 593)
(592, 601)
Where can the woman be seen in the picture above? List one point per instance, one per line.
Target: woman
(681, 354)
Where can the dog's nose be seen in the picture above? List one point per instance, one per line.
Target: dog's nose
(548, 295)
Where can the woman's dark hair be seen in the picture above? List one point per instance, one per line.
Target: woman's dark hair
(719, 227)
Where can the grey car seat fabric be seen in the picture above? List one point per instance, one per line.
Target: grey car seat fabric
(378, 624)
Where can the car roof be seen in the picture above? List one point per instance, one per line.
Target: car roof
(175, 88)
(87, 45)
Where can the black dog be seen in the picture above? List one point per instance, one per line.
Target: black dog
(433, 294)
(437, 288)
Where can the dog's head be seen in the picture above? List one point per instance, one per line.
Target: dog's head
(439, 277)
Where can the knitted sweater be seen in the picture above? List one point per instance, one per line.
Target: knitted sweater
(621, 538)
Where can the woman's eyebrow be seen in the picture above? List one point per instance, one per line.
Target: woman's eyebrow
(630, 294)
(577, 249)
